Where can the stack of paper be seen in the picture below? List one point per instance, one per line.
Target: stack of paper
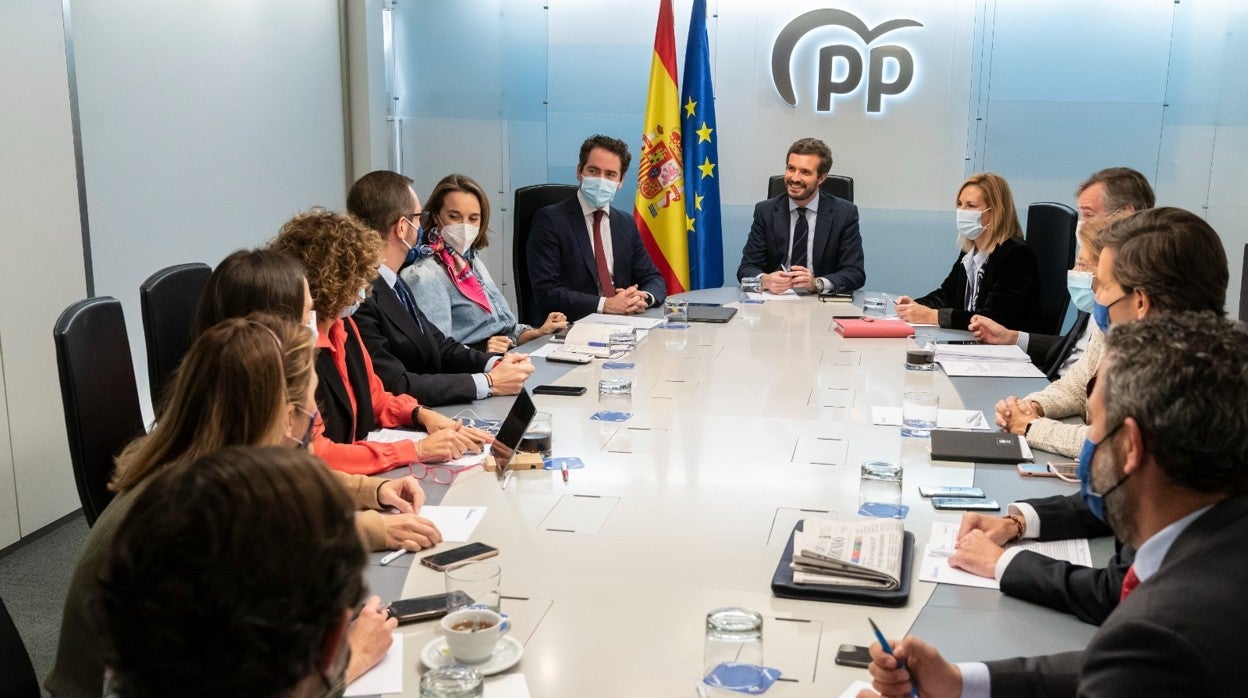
(1008, 360)
(945, 419)
(943, 544)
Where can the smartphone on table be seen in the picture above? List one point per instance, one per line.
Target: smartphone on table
(426, 607)
(965, 504)
(458, 556)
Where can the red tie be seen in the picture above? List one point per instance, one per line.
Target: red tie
(1129, 583)
(600, 258)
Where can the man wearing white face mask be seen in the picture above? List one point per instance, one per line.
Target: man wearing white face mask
(1114, 190)
(585, 256)
(411, 355)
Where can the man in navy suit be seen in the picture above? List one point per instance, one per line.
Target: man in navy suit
(410, 354)
(805, 239)
(586, 257)
(1166, 466)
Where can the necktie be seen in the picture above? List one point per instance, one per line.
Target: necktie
(801, 231)
(1129, 583)
(605, 284)
(405, 297)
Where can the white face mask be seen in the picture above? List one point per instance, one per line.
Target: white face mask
(460, 236)
(969, 226)
(350, 309)
(316, 333)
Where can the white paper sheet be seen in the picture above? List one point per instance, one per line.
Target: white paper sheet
(855, 687)
(981, 352)
(455, 523)
(636, 321)
(386, 677)
(386, 436)
(506, 686)
(935, 565)
(1002, 369)
(789, 295)
(945, 419)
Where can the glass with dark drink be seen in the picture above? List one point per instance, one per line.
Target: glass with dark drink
(537, 438)
(921, 354)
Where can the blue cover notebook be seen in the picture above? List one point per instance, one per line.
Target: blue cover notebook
(782, 584)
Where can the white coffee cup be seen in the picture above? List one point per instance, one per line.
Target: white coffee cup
(473, 632)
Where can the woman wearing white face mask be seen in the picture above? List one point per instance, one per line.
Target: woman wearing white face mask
(452, 287)
(995, 275)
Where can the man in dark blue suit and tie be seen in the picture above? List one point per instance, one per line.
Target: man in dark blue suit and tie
(805, 239)
(586, 257)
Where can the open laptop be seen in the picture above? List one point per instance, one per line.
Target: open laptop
(710, 313)
(512, 431)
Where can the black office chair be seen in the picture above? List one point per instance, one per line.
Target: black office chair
(18, 679)
(836, 185)
(1243, 289)
(99, 394)
(168, 299)
(528, 200)
(1051, 237)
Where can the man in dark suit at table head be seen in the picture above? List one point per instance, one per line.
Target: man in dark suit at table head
(805, 239)
(587, 257)
(1166, 464)
(1108, 192)
(410, 354)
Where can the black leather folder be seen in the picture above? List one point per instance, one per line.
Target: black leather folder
(782, 583)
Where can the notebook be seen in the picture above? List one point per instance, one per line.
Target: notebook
(710, 313)
(850, 328)
(979, 447)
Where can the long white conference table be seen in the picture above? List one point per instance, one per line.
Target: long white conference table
(687, 506)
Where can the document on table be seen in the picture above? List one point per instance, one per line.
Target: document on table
(990, 369)
(855, 687)
(945, 419)
(387, 436)
(635, 321)
(942, 545)
(981, 352)
(789, 295)
(455, 523)
(386, 677)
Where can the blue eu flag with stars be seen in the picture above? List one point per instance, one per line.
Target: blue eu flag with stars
(701, 159)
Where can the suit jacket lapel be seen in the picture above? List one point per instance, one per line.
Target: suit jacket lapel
(581, 235)
(822, 232)
(780, 229)
(620, 249)
(389, 304)
(330, 378)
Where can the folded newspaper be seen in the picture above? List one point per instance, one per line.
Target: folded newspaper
(865, 554)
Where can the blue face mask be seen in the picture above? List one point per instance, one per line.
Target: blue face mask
(1079, 284)
(598, 191)
(413, 253)
(1100, 313)
(1095, 502)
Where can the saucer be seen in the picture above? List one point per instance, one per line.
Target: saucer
(508, 651)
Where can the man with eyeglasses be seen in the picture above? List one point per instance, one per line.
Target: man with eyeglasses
(1145, 270)
(410, 354)
(1114, 190)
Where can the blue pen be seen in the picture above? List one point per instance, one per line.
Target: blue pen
(597, 344)
(914, 683)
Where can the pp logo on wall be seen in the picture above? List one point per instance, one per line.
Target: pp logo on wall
(889, 68)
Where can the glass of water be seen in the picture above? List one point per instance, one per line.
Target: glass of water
(919, 411)
(734, 636)
(452, 681)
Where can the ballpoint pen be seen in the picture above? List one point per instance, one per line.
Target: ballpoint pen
(901, 664)
(391, 557)
(564, 468)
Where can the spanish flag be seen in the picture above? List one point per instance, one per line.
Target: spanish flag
(660, 209)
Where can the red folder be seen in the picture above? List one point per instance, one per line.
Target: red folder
(871, 327)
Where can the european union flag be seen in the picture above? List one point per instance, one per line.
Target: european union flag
(701, 158)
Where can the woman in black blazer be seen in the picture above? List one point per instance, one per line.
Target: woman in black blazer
(995, 275)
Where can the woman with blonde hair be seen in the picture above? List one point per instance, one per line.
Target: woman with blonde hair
(243, 382)
(994, 276)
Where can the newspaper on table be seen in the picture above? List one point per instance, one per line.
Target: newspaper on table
(865, 554)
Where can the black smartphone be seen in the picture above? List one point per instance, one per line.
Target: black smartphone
(569, 390)
(965, 504)
(425, 607)
(853, 655)
(457, 556)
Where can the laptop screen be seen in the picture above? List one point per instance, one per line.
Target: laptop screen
(512, 431)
